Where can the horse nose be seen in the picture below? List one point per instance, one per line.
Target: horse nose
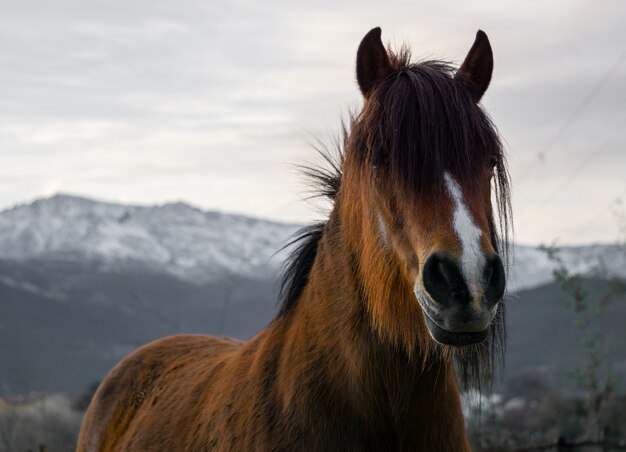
(495, 279)
(444, 281)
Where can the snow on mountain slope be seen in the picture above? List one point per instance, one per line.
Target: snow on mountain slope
(198, 246)
(531, 267)
(175, 238)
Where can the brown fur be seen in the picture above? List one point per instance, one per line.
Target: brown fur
(348, 365)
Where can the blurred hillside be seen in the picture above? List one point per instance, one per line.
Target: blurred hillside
(83, 283)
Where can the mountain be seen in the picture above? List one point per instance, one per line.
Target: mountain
(63, 325)
(201, 246)
(174, 238)
(83, 283)
(544, 335)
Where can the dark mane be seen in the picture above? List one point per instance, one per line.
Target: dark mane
(420, 122)
(325, 181)
(298, 265)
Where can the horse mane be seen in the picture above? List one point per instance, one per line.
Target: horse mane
(325, 181)
(421, 123)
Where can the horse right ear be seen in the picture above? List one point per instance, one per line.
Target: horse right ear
(372, 61)
(475, 72)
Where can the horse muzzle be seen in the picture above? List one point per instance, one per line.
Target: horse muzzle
(459, 312)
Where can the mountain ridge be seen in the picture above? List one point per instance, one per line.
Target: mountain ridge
(175, 238)
(202, 245)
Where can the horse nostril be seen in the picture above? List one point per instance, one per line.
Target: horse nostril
(495, 279)
(444, 281)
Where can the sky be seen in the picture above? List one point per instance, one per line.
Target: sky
(214, 103)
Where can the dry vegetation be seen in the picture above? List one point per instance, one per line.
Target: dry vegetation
(52, 421)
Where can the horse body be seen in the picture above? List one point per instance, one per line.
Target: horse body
(379, 302)
(317, 378)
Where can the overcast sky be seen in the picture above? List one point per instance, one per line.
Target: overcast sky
(213, 102)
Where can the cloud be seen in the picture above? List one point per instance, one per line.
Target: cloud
(210, 102)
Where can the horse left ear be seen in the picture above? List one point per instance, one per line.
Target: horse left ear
(372, 61)
(476, 70)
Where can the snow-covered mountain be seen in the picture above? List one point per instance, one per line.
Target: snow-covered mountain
(199, 246)
(531, 267)
(174, 238)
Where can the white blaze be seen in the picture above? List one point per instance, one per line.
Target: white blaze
(472, 257)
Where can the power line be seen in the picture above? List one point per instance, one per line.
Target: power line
(593, 219)
(580, 108)
(582, 166)
(597, 216)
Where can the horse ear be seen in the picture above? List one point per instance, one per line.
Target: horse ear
(475, 72)
(372, 61)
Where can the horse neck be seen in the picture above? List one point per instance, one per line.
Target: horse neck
(333, 330)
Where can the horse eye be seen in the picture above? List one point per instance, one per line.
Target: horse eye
(493, 161)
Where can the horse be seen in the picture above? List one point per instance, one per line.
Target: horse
(387, 309)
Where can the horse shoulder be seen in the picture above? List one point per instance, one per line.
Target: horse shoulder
(152, 374)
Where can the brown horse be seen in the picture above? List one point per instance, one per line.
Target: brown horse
(379, 302)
